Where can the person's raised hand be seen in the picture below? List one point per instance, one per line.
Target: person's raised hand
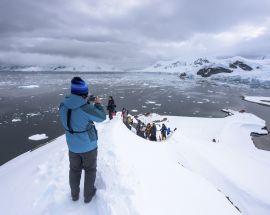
(97, 100)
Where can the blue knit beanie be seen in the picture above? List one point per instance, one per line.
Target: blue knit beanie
(78, 86)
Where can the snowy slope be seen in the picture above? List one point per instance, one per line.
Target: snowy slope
(186, 174)
(260, 68)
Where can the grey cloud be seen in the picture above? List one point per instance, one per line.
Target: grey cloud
(68, 29)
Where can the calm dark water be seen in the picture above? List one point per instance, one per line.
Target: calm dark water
(33, 98)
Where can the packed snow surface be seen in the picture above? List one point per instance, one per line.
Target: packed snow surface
(38, 137)
(258, 100)
(189, 173)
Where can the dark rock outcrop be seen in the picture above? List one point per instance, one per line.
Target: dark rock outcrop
(207, 72)
(59, 67)
(178, 63)
(240, 64)
(232, 66)
(201, 61)
(175, 64)
(183, 75)
(157, 65)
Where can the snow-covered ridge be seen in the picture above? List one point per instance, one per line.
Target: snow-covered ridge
(189, 173)
(234, 67)
(232, 63)
(58, 68)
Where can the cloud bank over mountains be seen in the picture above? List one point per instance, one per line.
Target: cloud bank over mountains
(130, 33)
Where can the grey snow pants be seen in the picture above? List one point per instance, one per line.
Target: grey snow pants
(88, 162)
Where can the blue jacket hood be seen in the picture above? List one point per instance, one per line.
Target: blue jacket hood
(74, 101)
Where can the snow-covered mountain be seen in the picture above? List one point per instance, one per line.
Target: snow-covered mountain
(58, 68)
(210, 171)
(234, 67)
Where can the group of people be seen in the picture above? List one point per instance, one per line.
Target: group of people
(148, 131)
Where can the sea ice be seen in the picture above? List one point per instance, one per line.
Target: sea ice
(258, 100)
(33, 114)
(16, 120)
(28, 86)
(38, 137)
(150, 102)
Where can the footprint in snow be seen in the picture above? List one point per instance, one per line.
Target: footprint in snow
(99, 183)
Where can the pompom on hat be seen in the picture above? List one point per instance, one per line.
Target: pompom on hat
(78, 86)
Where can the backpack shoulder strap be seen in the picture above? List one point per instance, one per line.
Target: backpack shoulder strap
(68, 121)
(70, 129)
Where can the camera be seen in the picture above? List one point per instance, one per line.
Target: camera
(91, 98)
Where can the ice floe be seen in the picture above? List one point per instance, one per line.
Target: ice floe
(37, 137)
(16, 120)
(28, 86)
(258, 99)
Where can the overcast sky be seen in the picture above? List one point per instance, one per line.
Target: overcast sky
(130, 33)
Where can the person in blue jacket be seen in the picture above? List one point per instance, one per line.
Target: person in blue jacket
(78, 116)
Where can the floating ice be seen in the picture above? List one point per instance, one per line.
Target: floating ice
(38, 137)
(28, 86)
(16, 120)
(33, 114)
(258, 100)
(150, 102)
(207, 100)
(153, 86)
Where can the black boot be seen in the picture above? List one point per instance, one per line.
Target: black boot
(88, 199)
(75, 198)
